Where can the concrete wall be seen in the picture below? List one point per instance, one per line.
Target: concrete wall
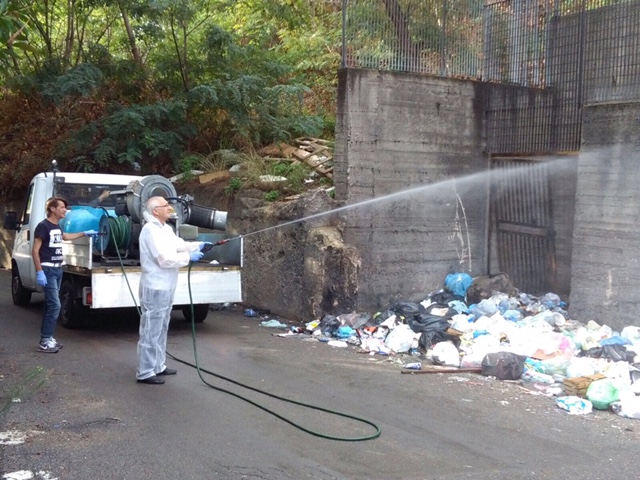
(606, 248)
(562, 189)
(302, 269)
(7, 236)
(399, 132)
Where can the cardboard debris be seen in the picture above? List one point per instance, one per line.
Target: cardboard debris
(210, 177)
(281, 150)
(578, 385)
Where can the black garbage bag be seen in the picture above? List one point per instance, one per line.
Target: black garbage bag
(329, 324)
(430, 338)
(615, 352)
(503, 365)
(425, 322)
(406, 310)
(443, 298)
(433, 328)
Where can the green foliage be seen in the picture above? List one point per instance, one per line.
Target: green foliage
(281, 169)
(187, 164)
(140, 133)
(13, 34)
(81, 81)
(295, 173)
(154, 81)
(235, 184)
(272, 196)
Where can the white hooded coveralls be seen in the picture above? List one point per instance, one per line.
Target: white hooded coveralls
(162, 253)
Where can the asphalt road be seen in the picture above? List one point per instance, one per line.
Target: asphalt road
(90, 419)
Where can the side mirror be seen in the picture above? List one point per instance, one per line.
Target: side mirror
(11, 221)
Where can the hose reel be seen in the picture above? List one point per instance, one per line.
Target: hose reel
(118, 235)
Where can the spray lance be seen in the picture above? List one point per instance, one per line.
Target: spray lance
(208, 245)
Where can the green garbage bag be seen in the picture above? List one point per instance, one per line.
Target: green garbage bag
(603, 393)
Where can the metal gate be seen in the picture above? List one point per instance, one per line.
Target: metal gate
(521, 216)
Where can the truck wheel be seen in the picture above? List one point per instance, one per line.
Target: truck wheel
(70, 310)
(200, 312)
(20, 295)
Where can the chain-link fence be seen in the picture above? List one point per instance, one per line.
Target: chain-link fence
(441, 37)
(549, 57)
(509, 41)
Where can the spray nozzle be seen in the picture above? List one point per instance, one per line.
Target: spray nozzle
(225, 240)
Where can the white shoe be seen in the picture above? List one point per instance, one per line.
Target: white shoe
(47, 346)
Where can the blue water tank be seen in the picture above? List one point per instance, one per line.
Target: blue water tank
(81, 218)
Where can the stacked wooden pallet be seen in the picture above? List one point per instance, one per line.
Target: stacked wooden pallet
(578, 385)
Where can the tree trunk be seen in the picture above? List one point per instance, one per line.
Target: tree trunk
(132, 39)
(407, 49)
(68, 43)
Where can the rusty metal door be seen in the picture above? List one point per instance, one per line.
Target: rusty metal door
(523, 224)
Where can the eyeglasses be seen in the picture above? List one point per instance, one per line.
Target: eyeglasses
(162, 206)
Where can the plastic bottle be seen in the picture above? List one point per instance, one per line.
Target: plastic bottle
(413, 366)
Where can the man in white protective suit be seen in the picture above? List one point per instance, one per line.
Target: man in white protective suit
(162, 253)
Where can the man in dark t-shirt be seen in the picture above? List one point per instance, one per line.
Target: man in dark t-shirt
(46, 252)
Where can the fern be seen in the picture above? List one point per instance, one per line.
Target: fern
(81, 81)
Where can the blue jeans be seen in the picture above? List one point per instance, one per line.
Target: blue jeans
(51, 301)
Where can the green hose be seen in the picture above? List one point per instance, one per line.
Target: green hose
(372, 436)
(117, 235)
(120, 234)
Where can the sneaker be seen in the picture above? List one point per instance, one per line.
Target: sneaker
(55, 342)
(47, 346)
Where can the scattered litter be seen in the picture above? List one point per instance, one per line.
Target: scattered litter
(273, 324)
(29, 475)
(290, 335)
(249, 312)
(19, 475)
(484, 325)
(458, 379)
(574, 405)
(12, 437)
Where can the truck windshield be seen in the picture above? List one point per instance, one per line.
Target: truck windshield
(89, 194)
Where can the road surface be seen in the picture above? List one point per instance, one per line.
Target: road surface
(89, 419)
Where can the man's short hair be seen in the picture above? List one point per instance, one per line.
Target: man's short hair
(54, 202)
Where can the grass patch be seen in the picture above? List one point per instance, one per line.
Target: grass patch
(32, 382)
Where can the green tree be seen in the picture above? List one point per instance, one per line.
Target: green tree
(13, 35)
(105, 83)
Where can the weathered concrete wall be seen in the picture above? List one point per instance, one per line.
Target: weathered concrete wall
(562, 188)
(606, 247)
(399, 132)
(300, 269)
(7, 236)
(405, 223)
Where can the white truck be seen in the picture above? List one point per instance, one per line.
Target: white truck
(105, 273)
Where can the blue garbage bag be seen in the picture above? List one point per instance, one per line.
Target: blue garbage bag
(458, 283)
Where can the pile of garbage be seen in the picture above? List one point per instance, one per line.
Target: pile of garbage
(504, 334)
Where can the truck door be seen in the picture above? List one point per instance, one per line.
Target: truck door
(22, 245)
